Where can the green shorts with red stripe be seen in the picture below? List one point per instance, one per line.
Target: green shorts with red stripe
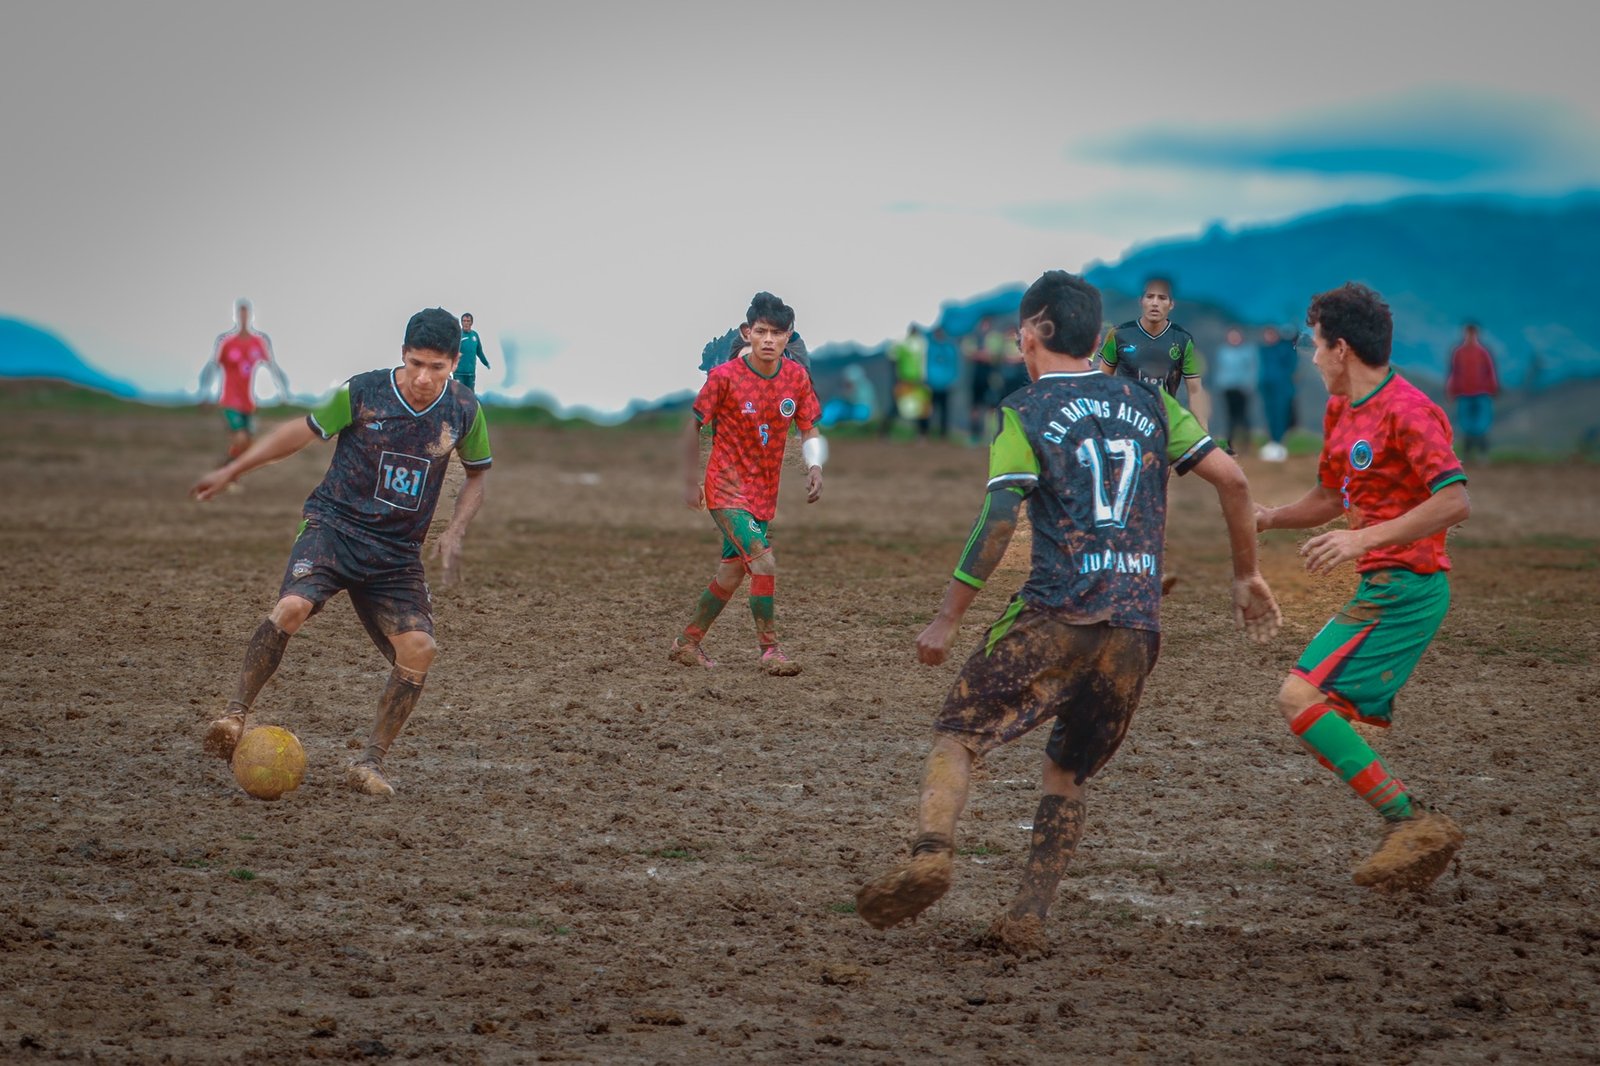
(1367, 651)
(744, 536)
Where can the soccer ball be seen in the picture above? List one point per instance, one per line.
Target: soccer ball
(268, 762)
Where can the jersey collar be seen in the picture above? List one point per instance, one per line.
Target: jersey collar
(1153, 336)
(1376, 389)
(395, 385)
(1069, 374)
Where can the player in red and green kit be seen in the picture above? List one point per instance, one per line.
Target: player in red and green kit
(238, 354)
(1388, 466)
(363, 526)
(748, 403)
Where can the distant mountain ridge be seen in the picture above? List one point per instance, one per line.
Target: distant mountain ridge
(26, 351)
(1523, 269)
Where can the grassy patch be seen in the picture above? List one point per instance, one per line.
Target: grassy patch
(843, 908)
(675, 851)
(242, 874)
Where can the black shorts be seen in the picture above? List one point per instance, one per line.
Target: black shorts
(387, 588)
(1033, 667)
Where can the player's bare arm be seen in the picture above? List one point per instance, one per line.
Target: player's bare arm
(447, 549)
(1199, 401)
(991, 533)
(282, 442)
(694, 492)
(1254, 609)
(1445, 508)
(1316, 508)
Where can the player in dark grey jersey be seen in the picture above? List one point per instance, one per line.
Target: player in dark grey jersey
(1089, 454)
(364, 524)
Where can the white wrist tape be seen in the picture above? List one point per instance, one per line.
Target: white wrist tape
(815, 450)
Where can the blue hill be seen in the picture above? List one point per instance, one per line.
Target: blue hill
(1517, 267)
(29, 352)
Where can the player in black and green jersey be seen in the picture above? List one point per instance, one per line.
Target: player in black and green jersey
(364, 525)
(471, 355)
(1090, 455)
(1154, 348)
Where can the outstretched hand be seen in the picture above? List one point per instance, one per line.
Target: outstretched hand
(213, 483)
(1254, 609)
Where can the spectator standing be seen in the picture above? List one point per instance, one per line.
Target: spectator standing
(1236, 368)
(1473, 384)
(944, 366)
(1279, 361)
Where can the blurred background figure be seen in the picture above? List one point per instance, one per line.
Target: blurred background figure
(1279, 361)
(471, 355)
(238, 354)
(909, 401)
(944, 367)
(1473, 384)
(981, 355)
(1235, 370)
(856, 402)
(720, 349)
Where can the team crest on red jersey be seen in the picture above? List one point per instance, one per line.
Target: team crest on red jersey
(1361, 455)
(786, 407)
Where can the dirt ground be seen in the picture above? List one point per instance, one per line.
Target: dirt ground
(598, 856)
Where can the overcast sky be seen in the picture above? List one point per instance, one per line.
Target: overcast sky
(607, 184)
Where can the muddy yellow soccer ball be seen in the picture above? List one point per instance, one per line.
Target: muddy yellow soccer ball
(268, 762)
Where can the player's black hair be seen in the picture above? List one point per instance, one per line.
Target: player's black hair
(765, 307)
(1358, 316)
(1064, 311)
(469, 314)
(1157, 279)
(434, 330)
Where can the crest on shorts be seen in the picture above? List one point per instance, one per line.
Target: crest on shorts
(786, 407)
(301, 568)
(1361, 455)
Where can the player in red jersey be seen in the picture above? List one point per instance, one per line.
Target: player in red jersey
(749, 402)
(237, 355)
(1388, 465)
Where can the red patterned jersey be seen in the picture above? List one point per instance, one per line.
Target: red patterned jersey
(749, 417)
(239, 354)
(1384, 454)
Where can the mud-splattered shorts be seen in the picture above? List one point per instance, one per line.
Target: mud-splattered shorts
(1366, 652)
(744, 536)
(1033, 667)
(388, 589)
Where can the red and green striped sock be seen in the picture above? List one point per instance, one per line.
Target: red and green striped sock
(1340, 748)
(763, 588)
(710, 604)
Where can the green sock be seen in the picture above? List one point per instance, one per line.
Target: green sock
(1340, 748)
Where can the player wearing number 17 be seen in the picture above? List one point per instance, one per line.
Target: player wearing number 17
(364, 525)
(1089, 454)
(748, 403)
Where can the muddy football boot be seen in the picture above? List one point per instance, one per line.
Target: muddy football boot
(1016, 936)
(1414, 852)
(689, 654)
(367, 779)
(774, 662)
(223, 735)
(910, 888)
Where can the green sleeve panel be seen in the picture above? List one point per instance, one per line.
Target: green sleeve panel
(986, 545)
(1108, 350)
(474, 447)
(1011, 456)
(1193, 364)
(1187, 443)
(333, 415)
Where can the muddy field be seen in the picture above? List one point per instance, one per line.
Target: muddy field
(597, 856)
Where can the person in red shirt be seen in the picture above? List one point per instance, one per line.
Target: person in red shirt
(1473, 384)
(1387, 464)
(748, 403)
(237, 355)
